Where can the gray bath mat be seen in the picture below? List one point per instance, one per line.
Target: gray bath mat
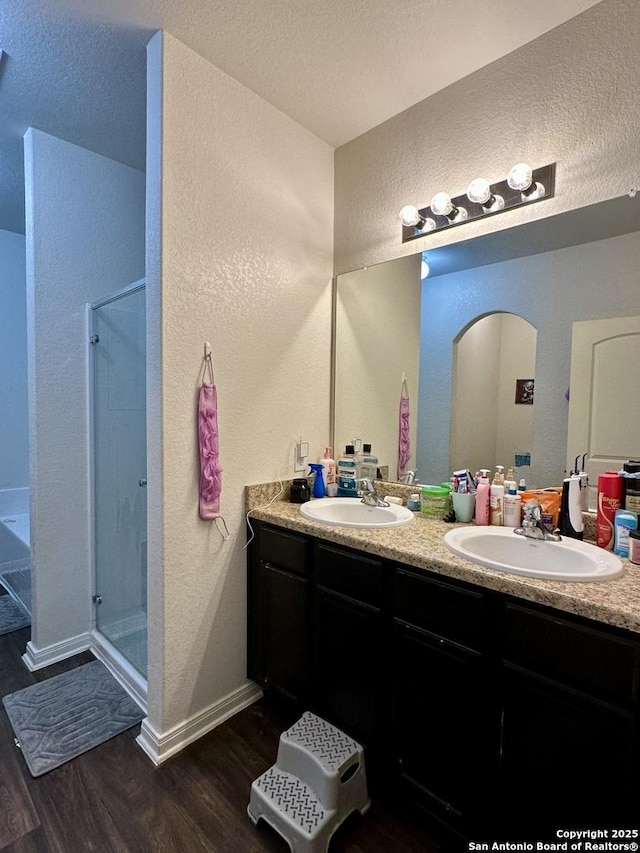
(64, 716)
(12, 616)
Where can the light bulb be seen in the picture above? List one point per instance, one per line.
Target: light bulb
(424, 269)
(479, 191)
(520, 177)
(409, 215)
(441, 204)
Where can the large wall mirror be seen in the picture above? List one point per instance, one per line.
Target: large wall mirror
(518, 292)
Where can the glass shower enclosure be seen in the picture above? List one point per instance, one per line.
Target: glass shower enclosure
(118, 344)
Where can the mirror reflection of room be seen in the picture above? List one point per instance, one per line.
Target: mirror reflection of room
(550, 274)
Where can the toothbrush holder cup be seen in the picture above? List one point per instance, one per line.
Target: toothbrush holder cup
(463, 505)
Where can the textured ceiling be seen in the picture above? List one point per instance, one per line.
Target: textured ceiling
(76, 68)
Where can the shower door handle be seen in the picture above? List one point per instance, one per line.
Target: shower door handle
(142, 482)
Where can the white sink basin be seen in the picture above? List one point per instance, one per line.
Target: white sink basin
(351, 512)
(500, 548)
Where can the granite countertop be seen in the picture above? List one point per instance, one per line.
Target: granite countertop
(420, 544)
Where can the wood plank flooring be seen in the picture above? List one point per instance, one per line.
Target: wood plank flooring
(113, 800)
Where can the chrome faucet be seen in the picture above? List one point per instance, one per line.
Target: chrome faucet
(410, 478)
(533, 527)
(368, 494)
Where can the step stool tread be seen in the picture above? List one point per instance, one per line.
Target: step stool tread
(331, 746)
(293, 798)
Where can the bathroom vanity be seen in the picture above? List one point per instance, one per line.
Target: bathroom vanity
(491, 701)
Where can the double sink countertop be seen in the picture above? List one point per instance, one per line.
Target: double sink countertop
(421, 544)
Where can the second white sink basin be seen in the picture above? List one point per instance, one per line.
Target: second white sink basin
(502, 549)
(351, 512)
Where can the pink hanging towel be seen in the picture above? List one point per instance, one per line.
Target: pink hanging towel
(404, 432)
(210, 470)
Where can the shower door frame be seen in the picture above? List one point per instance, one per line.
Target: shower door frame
(133, 681)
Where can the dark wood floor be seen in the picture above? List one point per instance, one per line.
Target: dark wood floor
(113, 799)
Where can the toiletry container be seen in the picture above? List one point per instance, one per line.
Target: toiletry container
(319, 488)
(434, 501)
(496, 498)
(624, 522)
(299, 493)
(368, 463)
(632, 486)
(570, 521)
(512, 508)
(609, 500)
(510, 482)
(329, 473)
(634, 547)
(413, 503)
(347, 471)
(483, 497)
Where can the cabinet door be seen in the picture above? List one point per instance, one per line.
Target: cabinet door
(348, 661)
(445, 723)
(285, 631)
(566, 758)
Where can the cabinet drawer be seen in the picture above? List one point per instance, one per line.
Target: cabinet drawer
(580, 656)
(358, 577)
(283, 549)
(442, 609)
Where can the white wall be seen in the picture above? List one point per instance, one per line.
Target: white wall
(569, 97)
(368, 385)
(239, 253)
(84, 240)
(14, 434)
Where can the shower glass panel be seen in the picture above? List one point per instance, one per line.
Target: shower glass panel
(120, 461)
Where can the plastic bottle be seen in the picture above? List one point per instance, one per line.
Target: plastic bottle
(496, 499)
(499, 474)
(329, 473)
(482, 497)
(610, 494)
(570, 521)
(512, 508)
(625, 522)
(347, 470)
(368, 463)
(319, 489)
(522, 486)
(510, 482)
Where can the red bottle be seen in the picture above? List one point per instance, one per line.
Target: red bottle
(609, 500)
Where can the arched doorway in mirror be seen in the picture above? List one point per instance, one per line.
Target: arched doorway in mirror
(492, 393)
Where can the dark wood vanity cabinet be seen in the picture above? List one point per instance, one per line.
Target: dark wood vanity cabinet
(279, 612)
(569, 722)
(485, 710)
(445, 722)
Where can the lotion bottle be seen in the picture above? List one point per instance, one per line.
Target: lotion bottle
(482, 497)
(329, 473)
(496, 499)
(512, 508)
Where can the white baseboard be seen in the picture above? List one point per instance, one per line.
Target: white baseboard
(35, 658)
(161, 746)
(124, 673)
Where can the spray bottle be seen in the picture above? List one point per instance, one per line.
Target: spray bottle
(319, 489)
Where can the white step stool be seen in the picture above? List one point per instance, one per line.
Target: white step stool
(317, 781)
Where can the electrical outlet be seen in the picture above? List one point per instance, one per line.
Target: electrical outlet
(300, 456)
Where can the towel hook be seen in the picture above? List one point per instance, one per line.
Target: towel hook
(208, 361)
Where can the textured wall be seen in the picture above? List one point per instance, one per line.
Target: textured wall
(570, 96)
(240, 254)
(14, 441)
(85, 239)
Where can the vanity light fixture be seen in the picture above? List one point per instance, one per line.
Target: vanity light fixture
(523, 185)
(424, 267)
